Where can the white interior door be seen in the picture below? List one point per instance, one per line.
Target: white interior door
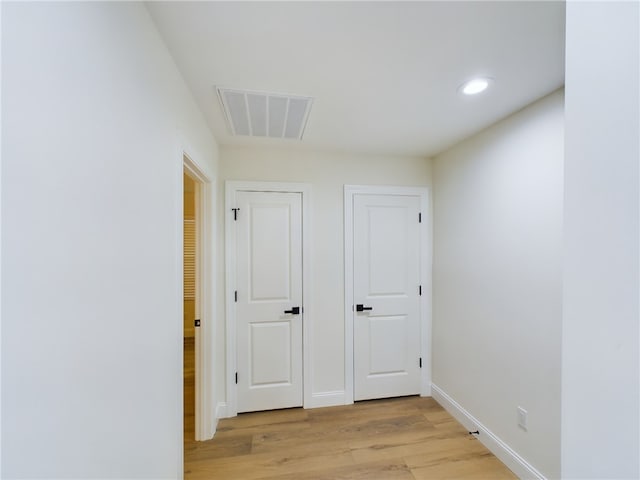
(386, 273)
(269, 300)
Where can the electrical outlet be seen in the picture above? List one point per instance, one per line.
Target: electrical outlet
(522, 418)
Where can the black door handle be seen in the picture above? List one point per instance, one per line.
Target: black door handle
(361, 308)
(294, 311)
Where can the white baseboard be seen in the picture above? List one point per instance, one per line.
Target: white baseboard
(221, 411)
(500, 449)
(214, 428)
(327, 399)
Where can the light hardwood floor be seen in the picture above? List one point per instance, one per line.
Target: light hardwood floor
(401, 438)
(189, 389)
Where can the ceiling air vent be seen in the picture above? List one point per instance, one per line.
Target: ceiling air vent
(259, 114)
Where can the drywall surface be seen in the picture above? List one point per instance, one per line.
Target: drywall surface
(600, 353)
(327, 173)
(95, 115)
(497, 278)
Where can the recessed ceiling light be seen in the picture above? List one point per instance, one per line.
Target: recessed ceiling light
(475, 86)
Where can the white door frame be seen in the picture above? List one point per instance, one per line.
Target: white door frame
(231, 188)
(425, 280)
(205, 421)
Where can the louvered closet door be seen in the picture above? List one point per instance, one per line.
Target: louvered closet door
(269, 282)
(189, 277)
(189, 259)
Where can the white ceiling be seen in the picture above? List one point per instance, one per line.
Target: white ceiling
(384, 75)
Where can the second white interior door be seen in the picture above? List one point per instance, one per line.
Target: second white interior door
(386, 255)
(269, 300)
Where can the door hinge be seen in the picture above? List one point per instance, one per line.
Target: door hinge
(420, 217)
(235, 214)
(196, 322)
(420, 290)
(236, 378)
(420, 362)
(235, 296)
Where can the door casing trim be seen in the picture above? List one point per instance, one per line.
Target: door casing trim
(231, 188)
(425, 279)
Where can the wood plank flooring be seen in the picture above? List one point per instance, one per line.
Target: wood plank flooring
(189, 388)
(401, 438)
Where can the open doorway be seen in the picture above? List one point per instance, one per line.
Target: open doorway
(198, 220)
(191, 304)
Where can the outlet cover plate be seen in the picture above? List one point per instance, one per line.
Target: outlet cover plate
(522, 418)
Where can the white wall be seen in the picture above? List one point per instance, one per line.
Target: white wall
(94, 114)
(1, 7)
(327, 173)
(600, 354)
(497, 278)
